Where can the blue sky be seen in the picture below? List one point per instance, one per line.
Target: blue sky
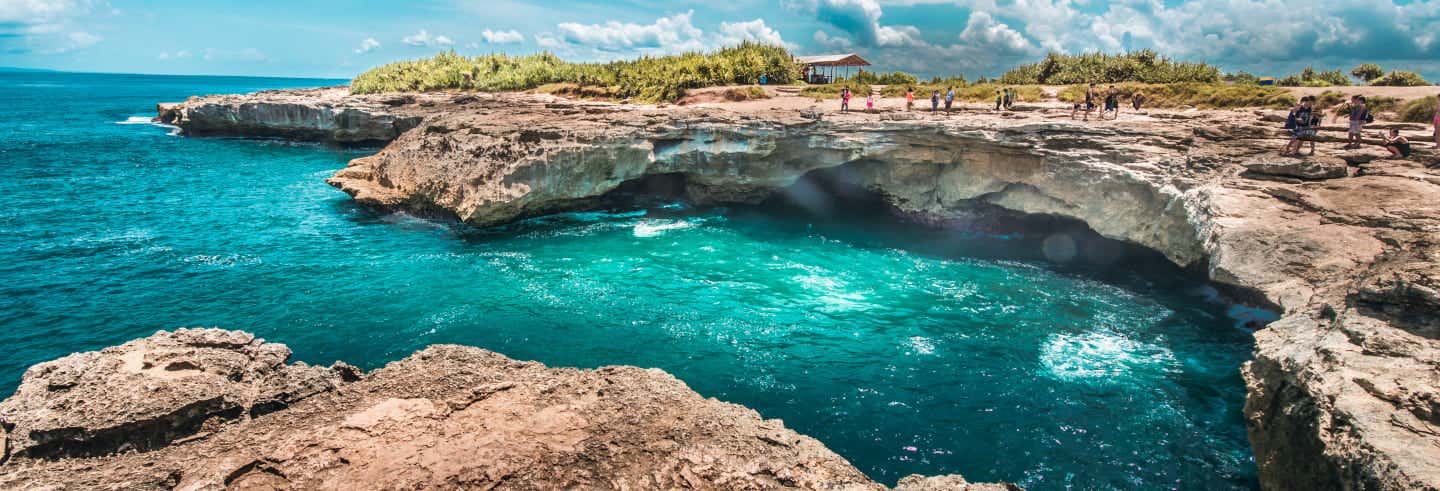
(930, 37)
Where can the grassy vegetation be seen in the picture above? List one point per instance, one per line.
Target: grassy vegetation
(892, 78)
(647, 79)
(1311, 78)
(1419, 110)
(1400, 78)
(753, 92)
(1197, 95)
(1144, 66)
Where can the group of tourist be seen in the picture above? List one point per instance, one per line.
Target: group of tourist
(1303, 122)
(1112, 102)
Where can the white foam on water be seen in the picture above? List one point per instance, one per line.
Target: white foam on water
(1101, 356)
(654, 228)
(921, 344)
(136, 120)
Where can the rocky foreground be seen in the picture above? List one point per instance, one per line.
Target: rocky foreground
(1344, 391)
(215, 409)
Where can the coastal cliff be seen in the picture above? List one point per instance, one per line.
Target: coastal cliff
(1344, 391)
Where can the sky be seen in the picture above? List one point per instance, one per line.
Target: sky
(334, 39)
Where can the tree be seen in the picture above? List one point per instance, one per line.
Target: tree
(1367, 72)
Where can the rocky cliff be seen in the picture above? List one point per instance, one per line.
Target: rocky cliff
(1344, 389)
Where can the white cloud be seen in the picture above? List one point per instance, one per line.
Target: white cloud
(732, 33)
(423, 38)
(247, 54)
(44, 26)
(42, 11)
(983, 30)
(368, 45)
(667, 35)
(502, 37)
(674, 33)
(178, 55)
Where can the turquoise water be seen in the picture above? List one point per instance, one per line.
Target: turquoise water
(902, 348)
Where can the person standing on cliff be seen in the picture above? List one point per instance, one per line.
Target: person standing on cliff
(1089, 101)
(934, 101)
(909, 99)
(949, 99)
(844, 99)
(1359, 115)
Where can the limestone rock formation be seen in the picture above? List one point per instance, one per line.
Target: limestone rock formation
(150, 392)
(446, 417)
(1342, 390)
(324, 115)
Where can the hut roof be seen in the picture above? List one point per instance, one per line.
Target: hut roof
(847, 59)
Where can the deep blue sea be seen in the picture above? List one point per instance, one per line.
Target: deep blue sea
(905, 349)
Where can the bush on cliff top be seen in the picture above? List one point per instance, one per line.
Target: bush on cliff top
(1419, 110)
(1203, 96)
(648, 79)
(1145, 66)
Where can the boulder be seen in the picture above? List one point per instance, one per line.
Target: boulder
(147, 393)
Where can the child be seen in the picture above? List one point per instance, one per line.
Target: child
(1359, 115)
(1397, 145)
(845, 100)
(934, 101)
(870, 103)
(909, 99)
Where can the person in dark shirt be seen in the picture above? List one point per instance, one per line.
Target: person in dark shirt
(1302, 123)
(1397, 145)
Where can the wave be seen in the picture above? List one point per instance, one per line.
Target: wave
(137, 120)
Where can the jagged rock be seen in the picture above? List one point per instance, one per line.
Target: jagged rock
(952, 482)
(325, 115)
(1342, 388)
(456, 417)
(147, 393)
(1308, 168)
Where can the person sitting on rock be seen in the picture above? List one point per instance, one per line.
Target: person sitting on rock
(1302, 123)
(1397, 145)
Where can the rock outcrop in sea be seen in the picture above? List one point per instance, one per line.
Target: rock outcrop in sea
(1344, 390)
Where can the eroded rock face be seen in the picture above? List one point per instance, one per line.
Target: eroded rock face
(150, 392)
(460, 418)
(1343, 387)
(322, 115)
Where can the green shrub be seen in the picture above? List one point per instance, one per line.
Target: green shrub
(1203, 96)
(1419, 110)
(750, 93)
(649, 79)
(1377, 104)
(1242, 78)
(892, 78)
(965, 93)
(1311, 78)
(1367, 72)
(1400, 78)
(1137, 66)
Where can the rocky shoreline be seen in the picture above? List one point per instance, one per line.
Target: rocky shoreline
(1344, 391)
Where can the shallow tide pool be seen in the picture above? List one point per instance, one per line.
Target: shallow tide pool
(902, 348)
